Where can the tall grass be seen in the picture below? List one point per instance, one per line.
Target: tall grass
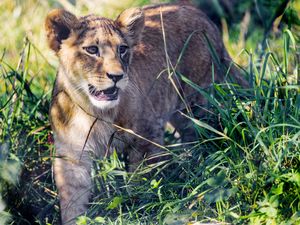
(243, 169)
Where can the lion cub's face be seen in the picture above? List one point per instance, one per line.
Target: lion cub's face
(95, 52)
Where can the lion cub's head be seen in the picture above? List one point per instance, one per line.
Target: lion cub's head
(95, 52)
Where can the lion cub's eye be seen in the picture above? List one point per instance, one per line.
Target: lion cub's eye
(93, 50)
(123, 50)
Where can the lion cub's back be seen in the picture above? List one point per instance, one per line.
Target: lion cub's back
(168, 27)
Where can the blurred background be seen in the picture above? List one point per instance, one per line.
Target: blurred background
(245, 24)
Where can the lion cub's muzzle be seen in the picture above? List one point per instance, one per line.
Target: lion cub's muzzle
(108, 94)
(114, 77)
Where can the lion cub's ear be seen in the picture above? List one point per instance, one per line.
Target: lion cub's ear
(59, 24)
(131, 23)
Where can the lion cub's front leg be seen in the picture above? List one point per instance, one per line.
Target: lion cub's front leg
(72, 177)
(72, 162)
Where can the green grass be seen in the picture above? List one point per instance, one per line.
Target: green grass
(245, 168)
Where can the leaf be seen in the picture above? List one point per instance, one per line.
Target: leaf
(278, 190)
(155, 184)
(115, 203)
(295, 177)
(10, 171)
(269, 211)
(218, 180)
(99, 219)
(177, 218)
(5, 217)
(82, 220)
(291, 36)
(220, 194)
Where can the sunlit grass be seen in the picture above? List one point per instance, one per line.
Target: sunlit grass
(22, 32)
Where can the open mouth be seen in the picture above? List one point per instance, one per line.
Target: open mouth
(108, 94)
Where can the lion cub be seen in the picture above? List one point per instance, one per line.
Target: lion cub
(114, 74)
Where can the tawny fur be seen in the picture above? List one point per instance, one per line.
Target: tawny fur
(147, 98)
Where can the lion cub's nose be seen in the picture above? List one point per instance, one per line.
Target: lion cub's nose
(115, 77)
